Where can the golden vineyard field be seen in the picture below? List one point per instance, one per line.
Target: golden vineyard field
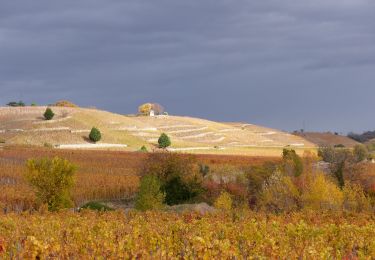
(104, 175)
(157, 235)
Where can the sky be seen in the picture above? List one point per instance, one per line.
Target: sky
(287, 64)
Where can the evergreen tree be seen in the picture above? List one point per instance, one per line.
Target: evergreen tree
(48, 115)
(95, 135)
(164, 141)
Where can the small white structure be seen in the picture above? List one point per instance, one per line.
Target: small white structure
(152, 112)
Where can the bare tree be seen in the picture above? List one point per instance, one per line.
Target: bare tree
(158, 109)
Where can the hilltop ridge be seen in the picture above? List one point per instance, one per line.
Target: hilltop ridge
(70, 127)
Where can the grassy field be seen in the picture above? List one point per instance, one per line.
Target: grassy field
(26, 126)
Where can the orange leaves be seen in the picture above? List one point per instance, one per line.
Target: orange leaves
(101, 175)
(2, 245)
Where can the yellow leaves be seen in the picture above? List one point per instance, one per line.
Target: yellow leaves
(279, 193)
(33, 248)
(322, 194)
(224, 201)
(165, 235)
(52, 180)
(355, 199)
(145, 108)
(199, 240)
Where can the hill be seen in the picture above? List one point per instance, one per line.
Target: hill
(70, 127)
(328, 139)
(364, 137)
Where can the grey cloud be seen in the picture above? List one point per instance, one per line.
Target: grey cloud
(270, 62)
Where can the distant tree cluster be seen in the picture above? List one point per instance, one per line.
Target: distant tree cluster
(146, 108)
(19, 104)
(60, 103)
(16, 104)
(64, 103)
(344, 163)
(291, 185)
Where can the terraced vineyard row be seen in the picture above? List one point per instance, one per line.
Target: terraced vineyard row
(71, 127)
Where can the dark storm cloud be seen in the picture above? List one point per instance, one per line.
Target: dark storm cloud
(276, 63)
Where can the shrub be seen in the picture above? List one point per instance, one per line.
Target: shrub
(64, 103)
(52, 180)
(322, 194)
(33, 104)
(224, 201)
(164, 141)
(95, 135)
(93, 205)
(257, 175)
(360, 153)
(355, 199)
(279, 194)
(339, 159)
(346, 164)
(143, 149)
(149, 195)
(292, 162)
(177, 191)
(48, 114)
(179, 175)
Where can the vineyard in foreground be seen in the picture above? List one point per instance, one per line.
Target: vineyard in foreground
(156, 235)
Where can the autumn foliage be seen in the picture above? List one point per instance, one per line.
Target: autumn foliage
(316, 219)
(52, 180)
(64, 103)
(158, 235)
